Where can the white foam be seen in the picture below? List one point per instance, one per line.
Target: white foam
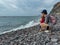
(30, 24)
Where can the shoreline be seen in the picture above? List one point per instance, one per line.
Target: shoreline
(29, 36)
(36, 27)
(13, 30)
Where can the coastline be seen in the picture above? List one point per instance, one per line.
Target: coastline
(35, 27)
(30, 36)
(7, 37)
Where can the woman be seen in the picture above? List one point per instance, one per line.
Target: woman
(43, 25)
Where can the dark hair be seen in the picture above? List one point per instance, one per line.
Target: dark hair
(42, 17)
(44, 11)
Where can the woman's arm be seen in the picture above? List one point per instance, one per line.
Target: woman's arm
(47, 19)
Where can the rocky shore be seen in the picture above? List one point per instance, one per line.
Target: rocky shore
(32, 35)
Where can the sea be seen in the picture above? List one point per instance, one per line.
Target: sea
(13, 23)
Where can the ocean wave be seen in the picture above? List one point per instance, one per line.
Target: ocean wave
(30, 24)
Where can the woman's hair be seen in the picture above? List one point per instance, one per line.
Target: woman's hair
(43, 16)
(44, 11)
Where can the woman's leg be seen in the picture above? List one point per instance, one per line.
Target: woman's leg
(44, 26)
(48, 28)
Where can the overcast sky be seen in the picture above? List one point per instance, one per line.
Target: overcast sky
(25, 7)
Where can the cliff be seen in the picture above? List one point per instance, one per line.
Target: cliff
(32, 36)
(56, 9)
(56, 12)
